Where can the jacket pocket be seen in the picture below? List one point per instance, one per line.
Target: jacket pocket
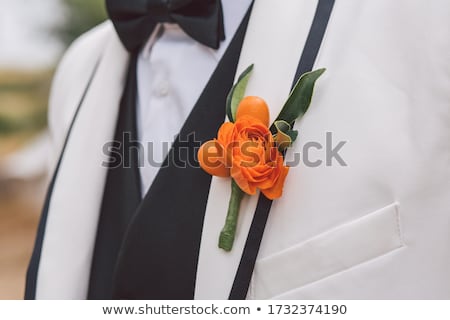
(328, 253)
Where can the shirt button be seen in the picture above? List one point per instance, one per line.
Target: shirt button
(163, 89)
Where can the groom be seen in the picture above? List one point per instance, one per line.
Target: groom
(161, 69)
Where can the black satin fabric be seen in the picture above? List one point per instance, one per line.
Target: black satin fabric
(134, 20)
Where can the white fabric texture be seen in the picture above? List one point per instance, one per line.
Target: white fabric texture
(71, 226)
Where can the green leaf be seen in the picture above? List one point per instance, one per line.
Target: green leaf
(282, 126)
(300, 98)
(284, 135)
(293, 134)
(237, 93)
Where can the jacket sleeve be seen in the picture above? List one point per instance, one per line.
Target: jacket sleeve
(69, 83)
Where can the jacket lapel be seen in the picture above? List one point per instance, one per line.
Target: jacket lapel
(275, 67)
(71, 216)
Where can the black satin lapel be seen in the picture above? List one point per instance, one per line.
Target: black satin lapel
(33, 267)
(122, 193)
(246, 265)
(159, 256)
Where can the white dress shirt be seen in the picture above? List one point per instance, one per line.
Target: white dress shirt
(172, 71)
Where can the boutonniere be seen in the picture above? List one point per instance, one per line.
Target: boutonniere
(251, 151)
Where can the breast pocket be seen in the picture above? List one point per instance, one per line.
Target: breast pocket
(331, 252)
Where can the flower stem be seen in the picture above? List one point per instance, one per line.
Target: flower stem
(228, 232)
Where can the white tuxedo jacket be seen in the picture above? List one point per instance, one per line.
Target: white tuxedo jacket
(377, 228)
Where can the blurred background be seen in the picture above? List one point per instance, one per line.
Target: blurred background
(33, 36)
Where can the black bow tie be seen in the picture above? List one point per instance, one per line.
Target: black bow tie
(135, 20)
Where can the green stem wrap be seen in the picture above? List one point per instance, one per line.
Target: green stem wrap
(228, 232)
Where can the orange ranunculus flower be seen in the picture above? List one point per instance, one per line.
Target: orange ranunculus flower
(256, 161)
(210, 156)
(225, 137)
(249, 150)
(246, 150)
